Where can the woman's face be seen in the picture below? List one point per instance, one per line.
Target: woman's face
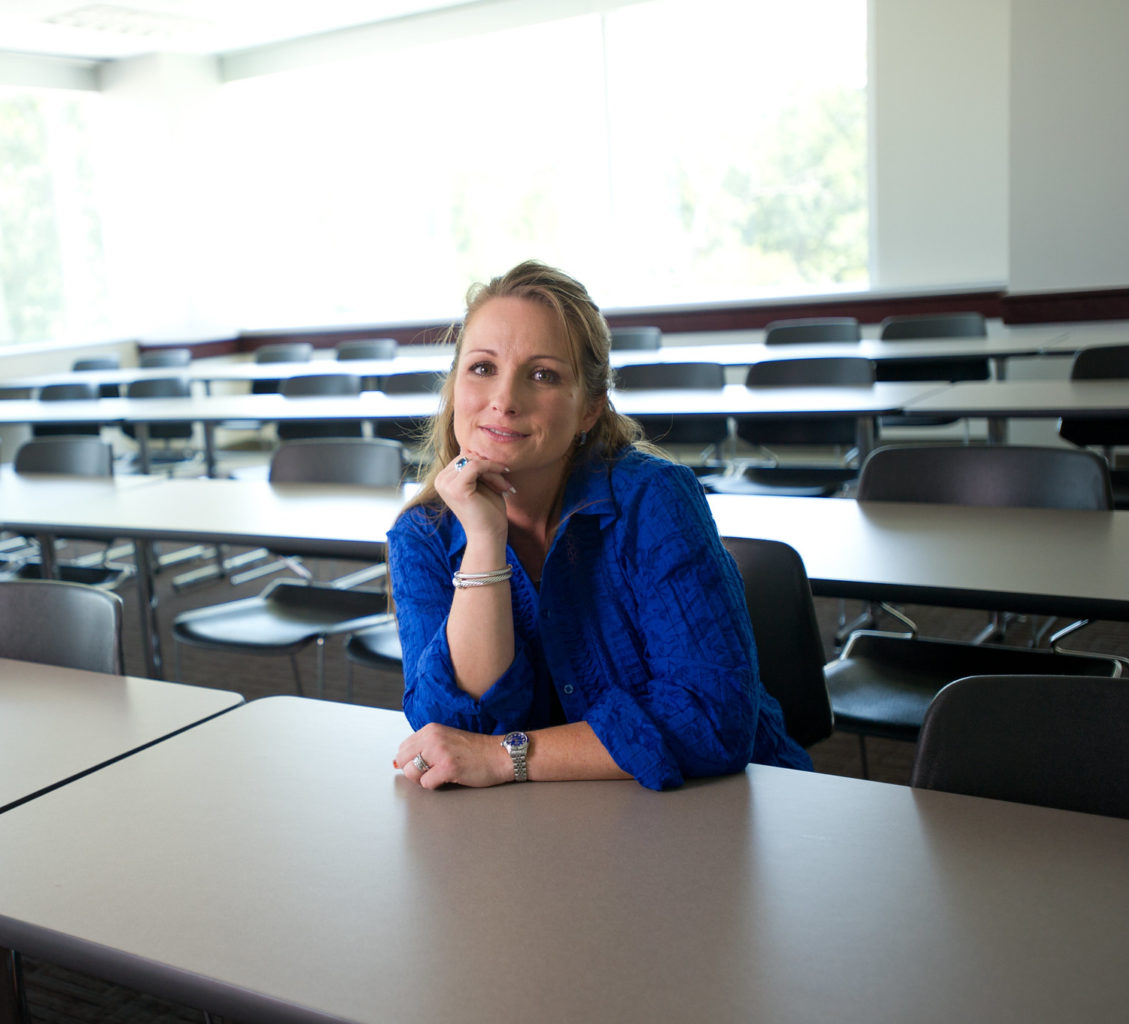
(516, 399)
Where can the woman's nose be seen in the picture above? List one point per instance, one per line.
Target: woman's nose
(505, 394)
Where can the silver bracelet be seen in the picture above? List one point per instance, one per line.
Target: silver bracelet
(462, 580)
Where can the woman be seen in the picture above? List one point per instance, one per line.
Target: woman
(565, 605)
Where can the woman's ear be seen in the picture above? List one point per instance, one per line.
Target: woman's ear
(594, 413)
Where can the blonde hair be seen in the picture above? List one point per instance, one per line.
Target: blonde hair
(589, 348)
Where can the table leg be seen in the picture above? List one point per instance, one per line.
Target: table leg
(210, 449)
(147, 608)
(13, 997)
(997, 430)
(141, 431)
(866, 429)
(47, 561)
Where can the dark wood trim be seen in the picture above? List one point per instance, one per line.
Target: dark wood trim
(866, 308)
(1067, 307)
(1043, 307)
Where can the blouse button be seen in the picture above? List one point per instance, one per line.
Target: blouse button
(567, 687)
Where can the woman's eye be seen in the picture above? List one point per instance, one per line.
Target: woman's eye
(545, 376)
(480, 369)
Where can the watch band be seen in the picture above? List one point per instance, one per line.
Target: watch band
(517, 746)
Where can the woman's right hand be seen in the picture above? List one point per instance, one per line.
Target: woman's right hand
(473, 488)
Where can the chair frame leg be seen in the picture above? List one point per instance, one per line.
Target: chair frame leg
(863, 757)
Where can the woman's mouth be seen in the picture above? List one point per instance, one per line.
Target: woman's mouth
(503, 435)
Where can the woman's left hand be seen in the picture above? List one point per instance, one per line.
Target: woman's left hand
(454, 755)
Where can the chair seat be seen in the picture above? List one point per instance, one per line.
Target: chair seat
(284, 618)
(104, 576)
(787, 481)
(882, 684)
(378, 648)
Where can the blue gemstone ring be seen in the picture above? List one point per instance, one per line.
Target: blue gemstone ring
(460, 463)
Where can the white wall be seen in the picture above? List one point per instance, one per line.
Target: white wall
(939, 151)
(1069, 196)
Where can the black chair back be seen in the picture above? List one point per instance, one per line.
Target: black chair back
(75, 456)
(373, 462)
(828, 328)
(636, 337)
(165, 357)
(1017, 476)
(789, 645)
(1101, 363)
(1054, 741)
(367, 348)
(57, 623)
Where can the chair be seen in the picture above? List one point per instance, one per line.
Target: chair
(1051, 740)
(289, 615)
(320, 384)
(789, 643)
(882, 683)
(100, 363)
(286, 352)
(775, 436)
(408, 430)
(70, 456)
(377, 648)
(708, 433)
(931, 325)
(73, 392)
(165, 357)
(180, 430)
(367, 348)
(1101, 363)
(58, 623)
(636, 338)
(828, 328)
(73, 456)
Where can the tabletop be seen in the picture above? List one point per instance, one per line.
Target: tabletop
(272, 866)
(1033, 560)
(58, 723)
(1027, 398)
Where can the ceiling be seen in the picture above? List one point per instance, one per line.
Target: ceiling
(131, 28)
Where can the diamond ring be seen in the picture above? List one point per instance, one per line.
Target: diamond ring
(460, 463)
(420, 764)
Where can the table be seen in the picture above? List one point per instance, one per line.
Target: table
(867, 403)
(312, 519)
(271, 865)
(1033, 561)
(1000, 401)
(57, 724)
(1030, 560)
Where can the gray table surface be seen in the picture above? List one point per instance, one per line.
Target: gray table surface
(57, 723)
(272, 866)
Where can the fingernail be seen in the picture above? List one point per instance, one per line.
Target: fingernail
(395, 763)
(513, 490)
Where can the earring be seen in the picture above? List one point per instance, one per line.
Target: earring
(582, 439)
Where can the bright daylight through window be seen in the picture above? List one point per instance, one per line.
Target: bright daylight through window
(672, 152)
(52, 270)
(669, 152)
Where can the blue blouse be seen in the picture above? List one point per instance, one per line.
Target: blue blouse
(639, 626)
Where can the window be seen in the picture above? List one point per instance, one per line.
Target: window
(52, 268)
(671, 152)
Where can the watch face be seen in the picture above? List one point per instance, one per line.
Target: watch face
(516, 740)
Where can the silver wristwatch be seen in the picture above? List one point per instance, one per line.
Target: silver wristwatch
(517, 746)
